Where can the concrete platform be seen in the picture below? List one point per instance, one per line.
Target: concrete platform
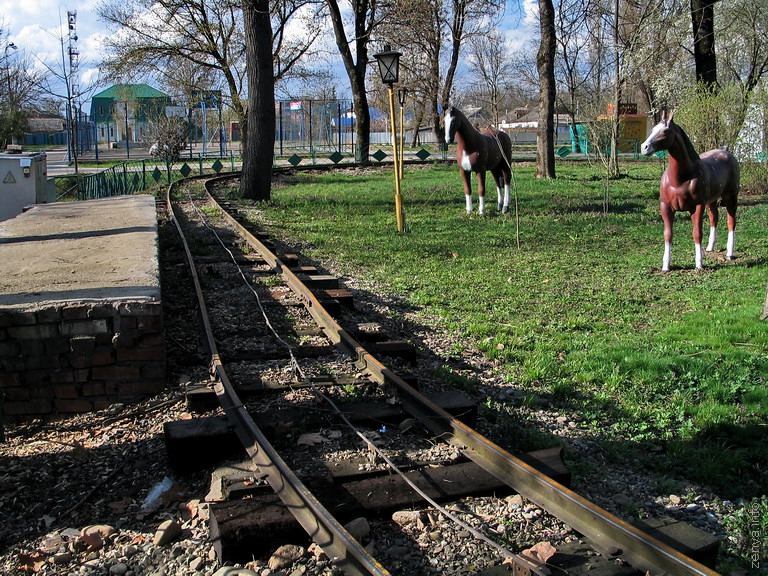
(80, 311)
(92, 251)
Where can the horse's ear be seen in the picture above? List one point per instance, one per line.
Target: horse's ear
(671, 116)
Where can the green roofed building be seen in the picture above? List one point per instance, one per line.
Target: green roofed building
(125, 112)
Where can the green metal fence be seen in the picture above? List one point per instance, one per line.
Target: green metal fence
(138, 176)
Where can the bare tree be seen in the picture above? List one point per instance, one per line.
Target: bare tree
(491, 69)
(353, 49)
(156, 37)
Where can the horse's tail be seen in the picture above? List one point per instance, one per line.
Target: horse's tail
(505, 145)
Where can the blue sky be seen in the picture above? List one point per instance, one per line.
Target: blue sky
(37, 27)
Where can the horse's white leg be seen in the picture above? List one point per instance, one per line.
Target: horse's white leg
(712, 238)
(498, 195)
(481, 192)
(731, 244)
(505, 208)
(696, 216)
(667, 215)
(469, 202)
(714, 216)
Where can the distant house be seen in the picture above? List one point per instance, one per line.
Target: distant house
(125, 112)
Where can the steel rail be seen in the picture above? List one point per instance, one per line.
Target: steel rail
(608, 533)
(319, 524)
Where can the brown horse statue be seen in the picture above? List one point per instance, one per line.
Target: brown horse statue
(479, 152)
(691, 182)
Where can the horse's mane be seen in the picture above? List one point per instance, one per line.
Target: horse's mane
(687, 143)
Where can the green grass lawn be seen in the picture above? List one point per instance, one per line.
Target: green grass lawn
(579, 312)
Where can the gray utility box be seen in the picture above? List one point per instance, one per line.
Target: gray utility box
(23, 182)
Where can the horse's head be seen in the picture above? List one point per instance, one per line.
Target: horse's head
(450, 120)
(660, 137)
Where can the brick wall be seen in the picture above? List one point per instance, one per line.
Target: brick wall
(78, 358)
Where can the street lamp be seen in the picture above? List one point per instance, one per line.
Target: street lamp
(389, 70)
(8, 46)
(401, 93)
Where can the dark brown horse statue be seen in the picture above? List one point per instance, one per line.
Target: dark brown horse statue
(479, 152)
(692, 182)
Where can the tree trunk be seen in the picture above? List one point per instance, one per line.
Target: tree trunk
(545, 62)
(703, 19)
(259, 147)
(356, 69)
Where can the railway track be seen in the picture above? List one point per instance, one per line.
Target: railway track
(298, 337)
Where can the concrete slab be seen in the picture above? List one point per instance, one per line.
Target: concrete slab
(90, 251)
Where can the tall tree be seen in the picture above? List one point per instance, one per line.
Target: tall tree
(545, 62)
(703, 19)
(256, 177)
(364, 21)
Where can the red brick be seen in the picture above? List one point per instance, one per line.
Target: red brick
(127, 323)
(10, 349)
(29, 407)
(85, 327)
(15, 364)
(77, 312)
(35, 332)
(125, 339)
(73, 405)
(8, 379)
(93, 389)
(65, 391)
(102, 311)
(41, 392)
(48, 315)
(24, 319)
(102, 357)
(82, 344)
(150, 323)
(79, 361)
(62, 376)
(17, 394)
(153, 370)
(140, 354)
(36, 377)
(82, 375)
(56, 346)
(115, 372)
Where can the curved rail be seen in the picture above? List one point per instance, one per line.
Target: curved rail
(606, 531)
(320, 524)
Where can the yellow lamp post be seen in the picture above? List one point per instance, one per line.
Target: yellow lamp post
(389, 70)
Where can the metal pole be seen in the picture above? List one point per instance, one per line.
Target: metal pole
(399, 214)
(402, 136)
(127, 145)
